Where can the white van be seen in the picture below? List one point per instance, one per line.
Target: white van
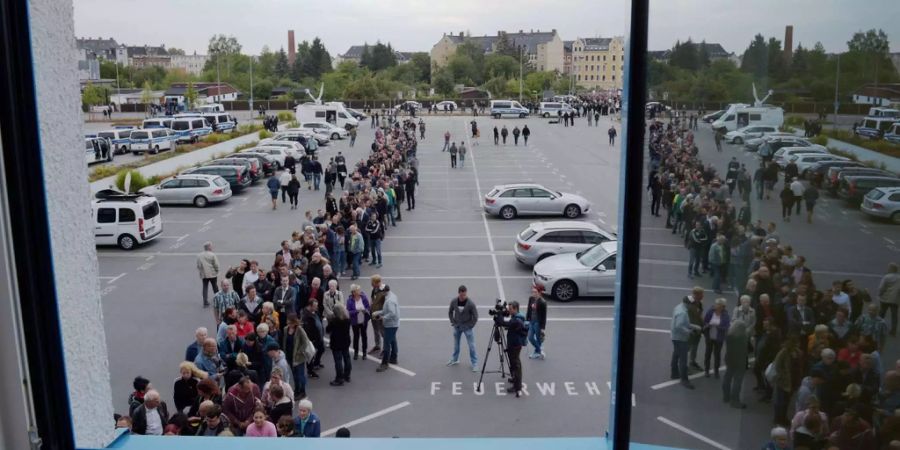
(741, 116)
(332, 112)
(221, 122)
(126, 220)
(190, 129)
(165, 122)
(151, 140)
(212, 107)
(500, 108)
(875, 127)
(784, 154)
(119, 138)
(553, 109)
(893, 133)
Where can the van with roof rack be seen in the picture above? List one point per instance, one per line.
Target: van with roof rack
(125, 220)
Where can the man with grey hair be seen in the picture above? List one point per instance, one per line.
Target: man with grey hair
(194, 349)
(224, 299)
(208, 267)
(151, 417)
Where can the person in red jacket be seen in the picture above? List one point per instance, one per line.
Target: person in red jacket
(242, 400)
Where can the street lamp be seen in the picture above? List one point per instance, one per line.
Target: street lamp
(521, 52)
(251, 87)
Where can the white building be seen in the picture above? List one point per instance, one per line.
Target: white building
(192, 64)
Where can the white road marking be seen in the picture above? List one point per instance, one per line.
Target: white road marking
(633, 397)
(692, 433)
(203, 229)
(182, 221)
(653, 330)
(672, 288)
(487, 228)
(364, 419)
(657, 244)
(666, 384)
(865, 230)
(183, 237)
(111, 280)
(209, 222)
(644, 316)
(149, 258)
(891, 241)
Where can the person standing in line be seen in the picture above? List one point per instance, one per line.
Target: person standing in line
(810, 196)
(312, 325)
(694, 304)
(357, 246)
(717, 262)
(462, 154)
(208, 266)
(612, 135)
(412, 179)
(453, 151)
(375, 230)
(284, 179)
(889, 294)
(463, 316)
(273, 185)
(339, 333)
(759, 178)
(224, 299)
(379, 291)
(716, 322)
(446, 141)
(390, 318)
(516, 134)
(496, 136)
(359, 313)
(536, 317)
(682, 334)
(525, 133)
(516, 334)
(655, 188)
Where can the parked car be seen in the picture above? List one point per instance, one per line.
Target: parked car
(92, 155)
(883, 202)
(252, 166)
(544, 239)
(749, 132)
(816, 173)
(275, 155)
(711, 117)
(190, 189)
(806, 160)
(358, 115)
(446, 105)
(854, 188)
(152, 140)
(119, 139)
(126, 220)
(754, 144)
(783, 155)
(835, 175)
(588, 273)
(332, 131)
(294, 148)
(238, 177)
(511, 200)
(409, 105)
(263, 160)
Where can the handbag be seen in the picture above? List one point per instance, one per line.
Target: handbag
(771, 373)
(309, 350)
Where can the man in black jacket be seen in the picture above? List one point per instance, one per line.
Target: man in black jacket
(412, 179)
(463, 316)
(151, 417)
(536, 316)
(515, 340)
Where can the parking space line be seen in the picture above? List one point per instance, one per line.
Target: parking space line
(111, 280)
(653, 330)
(657, 244)
(692, 433)
(644, 316)
(182, 221)
(367, 418)
(487, 228)
(209, 222)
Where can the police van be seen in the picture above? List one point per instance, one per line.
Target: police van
(500, 108)
(164, 122)
(875, 127)
(126, 220)
(553, 109)
(893, 133)
(152, 140)
(119, 138)
(190, 129)
(331, 112)
(221, 122)
(212, 107)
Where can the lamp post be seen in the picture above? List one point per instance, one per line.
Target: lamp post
(837, 77)
(521, 51)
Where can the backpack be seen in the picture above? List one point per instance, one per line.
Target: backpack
(356, 244)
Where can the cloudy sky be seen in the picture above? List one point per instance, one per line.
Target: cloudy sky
(415, 25)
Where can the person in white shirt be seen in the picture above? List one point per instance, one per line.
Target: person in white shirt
(840, 298)
(797, 189)
(284, 179)
(151, 417)
(251, 276)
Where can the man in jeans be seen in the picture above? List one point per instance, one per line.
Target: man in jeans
(696, 241)
(379, 292)
(390, 317)
(682, 329)
(208, 266)
(463, 316)
(356, 250)
(717, 262)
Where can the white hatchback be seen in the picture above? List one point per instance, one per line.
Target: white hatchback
(543, 239)
(333, 131)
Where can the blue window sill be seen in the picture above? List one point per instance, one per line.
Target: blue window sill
(135, 442)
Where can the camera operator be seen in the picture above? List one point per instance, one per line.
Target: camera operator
(536, 316)
(463, 316)
(515, 339)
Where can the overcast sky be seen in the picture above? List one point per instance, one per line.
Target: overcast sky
(416, 25)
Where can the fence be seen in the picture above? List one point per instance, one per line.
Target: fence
(789, 108)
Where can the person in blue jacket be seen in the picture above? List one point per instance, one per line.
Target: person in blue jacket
(307, 424)
(274, 186)
(516, 333)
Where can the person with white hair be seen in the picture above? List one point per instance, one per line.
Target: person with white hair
(307, 424)
(200, 335)
(779, 440)
(151, 417)
(330, 298)
(208, 267)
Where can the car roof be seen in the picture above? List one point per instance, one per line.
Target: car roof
(518, 185)
(888, 189)
(610, 246)
(564, 225)
(880, 177)
(198, 176)
(212, 166)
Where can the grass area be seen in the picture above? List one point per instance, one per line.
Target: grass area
(101, 172)
(285, 116)
(880, 146)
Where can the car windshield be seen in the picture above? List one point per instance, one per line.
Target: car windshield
(139, 135)
(592, 256)
(220, 182)
(527, 234)
(180, 125)
(107, 135)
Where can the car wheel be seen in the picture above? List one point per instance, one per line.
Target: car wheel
(194, 139)
(496, 116)
(201, 201)
(508, 212)
(572, 211)
(895, 217)
(126, 242)
(136, 153)
(522, 116)
(565, 291)
(335, 136)
(123, 150)
(546, 115)
(155, 150)
(544, 256)
(738, 140)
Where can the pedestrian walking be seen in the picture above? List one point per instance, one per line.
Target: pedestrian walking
(655, 188)
(341, 163)
(208, 267)
(284, 179)
(787, 202)
(463, 316)
(516, 134)
(596, 118)
(536, 317)
(273, 185)
(353, 136)
(496, 136)
(422, 129)
(390, 317)
(462, 154)
(797, 189)
(446, 141)
(525, 133)
(293, 190)
(504, 133)
(453, 151)
(717, 137)
(612, 135)
(316, 169)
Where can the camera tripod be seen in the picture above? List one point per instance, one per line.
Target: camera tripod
(496, 336)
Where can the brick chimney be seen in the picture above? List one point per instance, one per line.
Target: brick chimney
(292, 48)
(788, 42)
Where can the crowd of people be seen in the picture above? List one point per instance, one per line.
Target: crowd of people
(815, 351)
(253, 375)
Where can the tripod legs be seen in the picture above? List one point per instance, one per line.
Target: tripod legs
(496, 336)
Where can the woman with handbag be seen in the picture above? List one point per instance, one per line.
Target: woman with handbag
(295, 344)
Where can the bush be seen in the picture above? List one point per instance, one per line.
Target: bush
(137, 180)
(880, 146)
(265, 134)
(102, 172)
(246, 146)
(820, 139)
(852, 156)
(246, 129)
(216, 138)
(285, 116)
(795, 121)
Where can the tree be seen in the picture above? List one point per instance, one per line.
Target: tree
(92, 95)
(146, 96)
(463, 69)
(190, 96)
(281, 69)
(475, 53)
(702, 55)
(756, 57)
(175, 51)
(872, 50)
(505, 46)
(442, 81)
(500, 66)
(221, 47)
(684, 55)
(777, 70)
(319, 61)
(378, 57)
(422, 62)
(262, 90)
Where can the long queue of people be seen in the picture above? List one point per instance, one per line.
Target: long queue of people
(253, 376)
(816, 350)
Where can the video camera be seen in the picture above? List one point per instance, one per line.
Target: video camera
(499, 309)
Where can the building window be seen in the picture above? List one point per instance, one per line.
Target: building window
(604, 57)
(604, 77)
(614, 68)
(614, 57)
(614, 78)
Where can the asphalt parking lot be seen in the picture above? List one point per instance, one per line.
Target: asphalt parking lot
(445, 242)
